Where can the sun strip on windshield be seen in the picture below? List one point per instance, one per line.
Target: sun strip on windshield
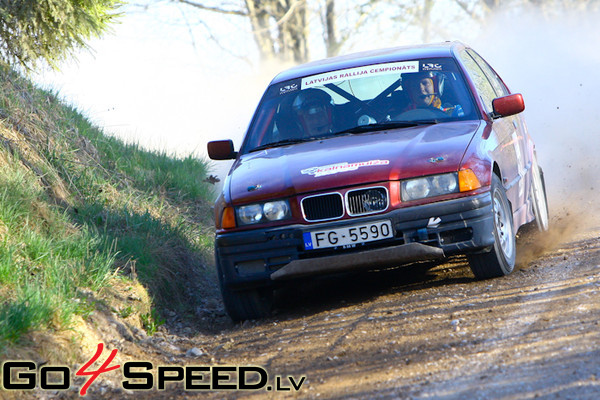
(362, 72)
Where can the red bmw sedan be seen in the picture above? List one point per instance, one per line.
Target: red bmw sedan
(375, 160)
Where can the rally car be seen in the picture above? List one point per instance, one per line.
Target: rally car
(375, 160)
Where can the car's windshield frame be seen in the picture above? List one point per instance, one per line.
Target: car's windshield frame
(273, 100)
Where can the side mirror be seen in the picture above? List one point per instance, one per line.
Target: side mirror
(508, 105)
(221, 150)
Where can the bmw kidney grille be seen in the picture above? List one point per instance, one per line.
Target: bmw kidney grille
(358, 202)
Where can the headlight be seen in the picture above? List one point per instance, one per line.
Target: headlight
(415, 189)
(429, 186)
(276, 210)
(250, 214)
(444, 183)
(270, 211)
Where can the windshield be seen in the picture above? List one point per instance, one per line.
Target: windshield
(358, 100)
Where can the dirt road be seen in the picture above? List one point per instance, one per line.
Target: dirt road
(417, 332)
(425, 332)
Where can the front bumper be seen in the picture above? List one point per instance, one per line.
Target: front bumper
(259, 257)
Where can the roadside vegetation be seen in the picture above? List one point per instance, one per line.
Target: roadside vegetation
(90, 224)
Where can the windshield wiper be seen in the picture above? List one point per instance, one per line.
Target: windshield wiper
(282, 143)
(385, 125)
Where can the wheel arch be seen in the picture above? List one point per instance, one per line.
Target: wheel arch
(496, 170)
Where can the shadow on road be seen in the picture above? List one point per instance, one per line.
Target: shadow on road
(330, 292)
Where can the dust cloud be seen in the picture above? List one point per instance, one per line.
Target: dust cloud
(554, 62)
(232, 103)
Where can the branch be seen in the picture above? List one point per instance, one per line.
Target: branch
(213, 9)
(218, 43)
(283, 19)
(471, 13)
(363, 17)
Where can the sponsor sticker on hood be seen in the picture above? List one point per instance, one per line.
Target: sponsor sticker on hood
(341, 167)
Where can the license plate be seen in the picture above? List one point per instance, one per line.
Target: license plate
(348, 235)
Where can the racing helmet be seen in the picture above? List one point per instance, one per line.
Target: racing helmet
(313, 108)
(413, 79)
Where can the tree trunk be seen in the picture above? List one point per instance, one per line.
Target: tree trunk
(426, 20)
(293, 30)
(279, 29)
(331, 40)
(259, 20)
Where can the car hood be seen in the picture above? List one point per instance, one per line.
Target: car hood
(350, 160)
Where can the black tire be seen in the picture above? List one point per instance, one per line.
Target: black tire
(500, 260)
(245, 304)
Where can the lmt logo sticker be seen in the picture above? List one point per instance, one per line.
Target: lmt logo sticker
(141, 375)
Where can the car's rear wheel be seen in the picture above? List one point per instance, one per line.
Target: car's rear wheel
(500, 260)
(245, 304)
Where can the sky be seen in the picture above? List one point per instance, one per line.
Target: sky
(150, 83)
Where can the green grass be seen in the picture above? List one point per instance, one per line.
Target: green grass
(44, 259)
(78, 206)
(31, 309)
(151, 322)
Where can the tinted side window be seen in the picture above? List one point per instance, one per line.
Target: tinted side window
(482, 83)
(499, 87)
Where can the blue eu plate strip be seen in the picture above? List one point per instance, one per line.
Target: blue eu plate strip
(307, 241)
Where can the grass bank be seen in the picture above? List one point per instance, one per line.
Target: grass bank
(83, 213)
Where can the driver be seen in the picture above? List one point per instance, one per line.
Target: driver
(314, 110)
(423, 90)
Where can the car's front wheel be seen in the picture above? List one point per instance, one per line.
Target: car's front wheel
(500, 260)
(245, 304)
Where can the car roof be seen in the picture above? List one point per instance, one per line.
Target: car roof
(402, 53)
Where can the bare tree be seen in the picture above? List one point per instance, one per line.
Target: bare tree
(288, 30)
(489, 7)
(281, 28)
(420, 14)
(331, 37)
